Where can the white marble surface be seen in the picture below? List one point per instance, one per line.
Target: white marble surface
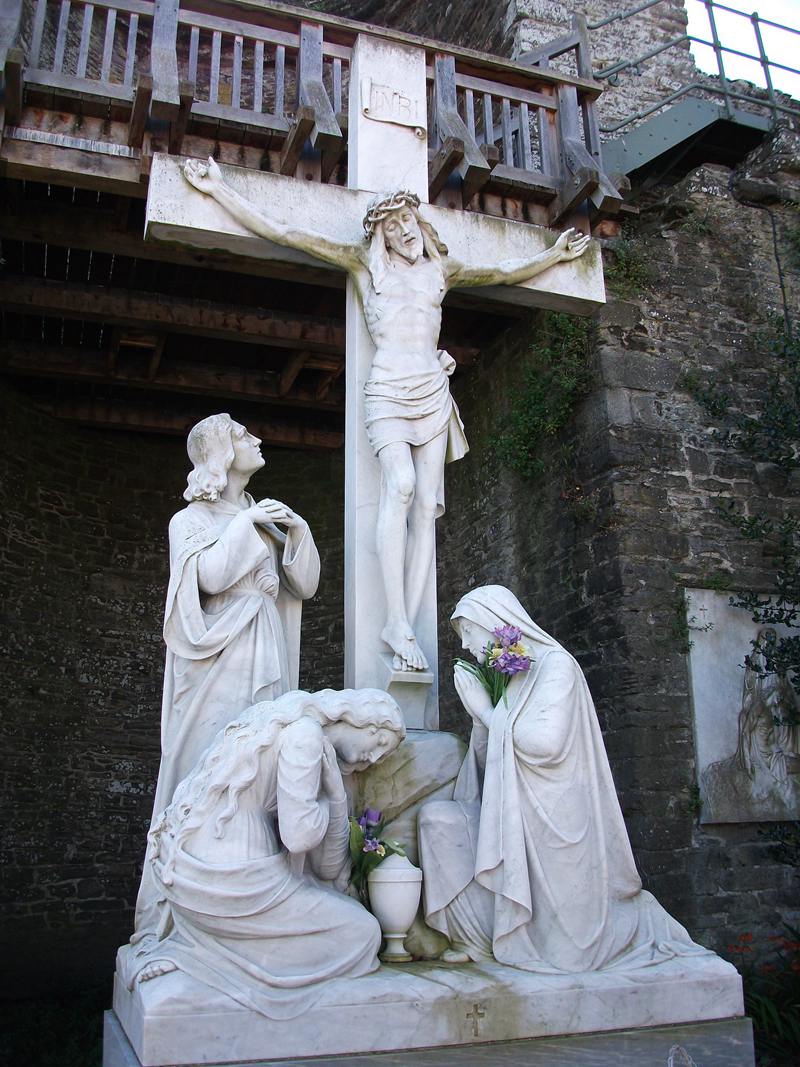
(198, 221)
(421, 1005)
(718, 1043)
(748, 768)
(252, 857)
(239, 572)
(530, 863)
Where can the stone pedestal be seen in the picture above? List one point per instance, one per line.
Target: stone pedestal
(726, 1043)
(173, 1020)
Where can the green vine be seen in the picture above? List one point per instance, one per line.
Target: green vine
(557, 374)
(772, 434)
(630, 272)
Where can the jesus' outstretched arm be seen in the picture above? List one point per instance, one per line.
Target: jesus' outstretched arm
(569, 245)
(207, 178)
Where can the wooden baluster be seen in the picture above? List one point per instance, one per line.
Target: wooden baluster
(10, 25)
(488, 119)
(548, 142)
(130, 49)
(280, 73)
(337, 86)
(164, 61)
(258, 77)
(108, 45)
(61, 36)
(525, 137)
(236, 86)
(216, 51)
(86, 36)
(194, 47)
(508, 142)
(469, 110)
(38, 29)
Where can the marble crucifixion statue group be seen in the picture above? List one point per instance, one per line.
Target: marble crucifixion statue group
(245, 889)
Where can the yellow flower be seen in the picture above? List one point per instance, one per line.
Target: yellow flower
(518, 649)
(381, 850)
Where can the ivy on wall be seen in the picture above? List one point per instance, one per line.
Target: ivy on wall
(557, 373)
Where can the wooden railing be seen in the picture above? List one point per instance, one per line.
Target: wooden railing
(276, 79)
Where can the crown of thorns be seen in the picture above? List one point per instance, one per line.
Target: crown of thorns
(385, 205)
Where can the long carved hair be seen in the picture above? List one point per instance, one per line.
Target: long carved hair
(210, 448)
(231, 763)
(378, 254)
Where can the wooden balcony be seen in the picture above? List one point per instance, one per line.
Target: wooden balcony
(101, 327)
(92, 90)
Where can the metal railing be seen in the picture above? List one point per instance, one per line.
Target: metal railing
(722, 85)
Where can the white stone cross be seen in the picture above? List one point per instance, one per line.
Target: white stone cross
(387, 151)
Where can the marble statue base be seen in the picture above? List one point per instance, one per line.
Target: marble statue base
(724, 1043)
(174, 1020)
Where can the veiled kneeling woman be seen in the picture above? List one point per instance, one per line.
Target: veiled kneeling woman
(530, 865)
(252, 855)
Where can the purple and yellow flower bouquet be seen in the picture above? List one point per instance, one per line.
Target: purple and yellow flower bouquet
(505, 657)
(368, 850)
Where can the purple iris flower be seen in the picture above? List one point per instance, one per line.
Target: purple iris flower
(370, 844)
(512, 663)
(372, 816)
(508, 635)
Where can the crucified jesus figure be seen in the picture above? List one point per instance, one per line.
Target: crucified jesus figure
(402, 272)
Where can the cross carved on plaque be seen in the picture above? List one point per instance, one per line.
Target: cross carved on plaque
(387, 151)
(476, 1015)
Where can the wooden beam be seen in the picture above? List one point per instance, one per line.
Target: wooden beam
(12, 86)
(172, 375)
(326, 383)
(442, 165)
(291, 370)
(180, 124)
(156, 311)
(153, 419)
(140, 110)
(98, 230)
(474, 168)
(71, 166)
(299, 133)
(326, 135)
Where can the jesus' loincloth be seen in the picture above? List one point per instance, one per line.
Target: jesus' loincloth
(414, 408)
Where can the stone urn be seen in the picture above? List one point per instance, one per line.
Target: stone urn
(394, 890)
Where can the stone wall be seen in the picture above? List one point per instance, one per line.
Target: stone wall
(600, 556)
(84, 564)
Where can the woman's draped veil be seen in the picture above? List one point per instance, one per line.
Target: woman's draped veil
(491, 606)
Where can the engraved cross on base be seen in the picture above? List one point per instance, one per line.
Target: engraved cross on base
(401, 256)
(476, 1015)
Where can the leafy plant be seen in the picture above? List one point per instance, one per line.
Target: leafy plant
(630, 271)
(772, 995)
(368, 850)
(771, 434)
(557, 375)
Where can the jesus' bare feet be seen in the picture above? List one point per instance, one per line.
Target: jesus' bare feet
(156, 968)
(407, 653)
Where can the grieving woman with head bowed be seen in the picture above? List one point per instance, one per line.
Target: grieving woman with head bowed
(239, 571)
(252, 856)
(530, 864)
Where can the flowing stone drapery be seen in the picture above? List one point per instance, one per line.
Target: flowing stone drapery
(531, 863)
(232, 629)
(252, 855)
